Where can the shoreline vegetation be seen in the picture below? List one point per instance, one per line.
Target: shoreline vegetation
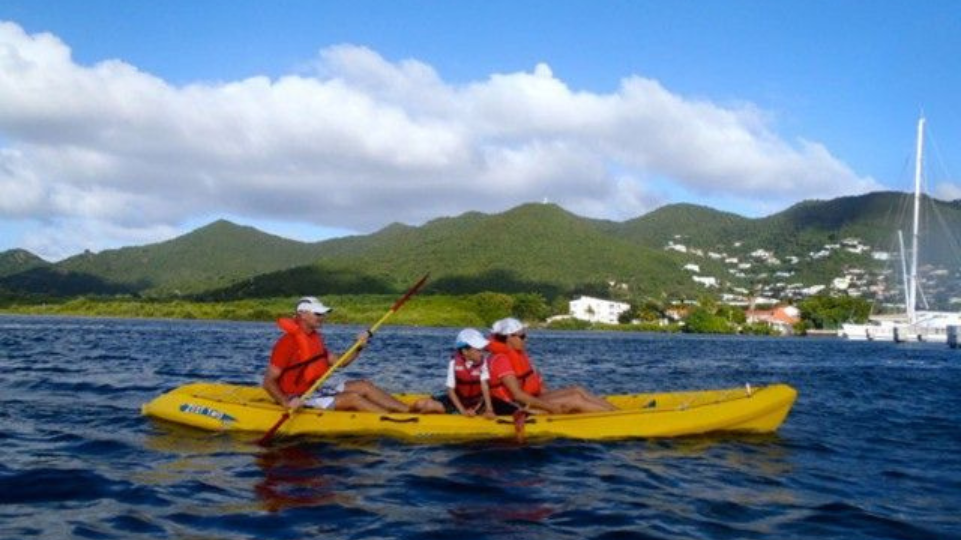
(475, 310)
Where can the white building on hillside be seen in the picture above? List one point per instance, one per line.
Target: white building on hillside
(707, 281)
(591, 309)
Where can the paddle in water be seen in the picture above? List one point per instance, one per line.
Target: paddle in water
(265, 440)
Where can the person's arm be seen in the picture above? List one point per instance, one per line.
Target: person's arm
(510, 381)
(452, 394)
(362, 338)
(486, 391)
(282, 351)
(272, 385)
(544, 388)
(452, 389)
(488, 406)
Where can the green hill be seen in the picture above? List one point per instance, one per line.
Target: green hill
(681, 223)
(15, 261)
(807, 226)
(530, 248)
(213, 256)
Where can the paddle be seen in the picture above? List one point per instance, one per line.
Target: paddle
(343, 358)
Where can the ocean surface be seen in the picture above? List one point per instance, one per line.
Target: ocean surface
(872, 448)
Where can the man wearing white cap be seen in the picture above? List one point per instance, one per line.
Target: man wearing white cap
(300, 357)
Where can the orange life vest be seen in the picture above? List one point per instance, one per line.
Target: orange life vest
(529, 379)
(310, 362)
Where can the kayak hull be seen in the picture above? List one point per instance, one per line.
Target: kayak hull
(229, 407)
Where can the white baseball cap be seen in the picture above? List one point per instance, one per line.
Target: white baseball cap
(508, 326)
(469, 337)
(313, 305)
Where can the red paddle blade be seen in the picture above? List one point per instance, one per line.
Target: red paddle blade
(520, 419)
(265, 440)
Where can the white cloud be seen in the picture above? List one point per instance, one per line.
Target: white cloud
(948, 191)
(359, 141)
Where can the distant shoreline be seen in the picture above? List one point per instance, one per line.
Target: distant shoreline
(416, 315)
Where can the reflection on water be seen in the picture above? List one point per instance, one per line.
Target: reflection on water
(288, 476)
(293, 476)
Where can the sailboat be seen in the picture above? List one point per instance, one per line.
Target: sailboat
(921, 325)
(915, 325)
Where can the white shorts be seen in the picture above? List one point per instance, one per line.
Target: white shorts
(323, 398)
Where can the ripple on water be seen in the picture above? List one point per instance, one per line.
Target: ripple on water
(869, 450)
(46, 485)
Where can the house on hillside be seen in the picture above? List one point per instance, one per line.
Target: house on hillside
(587, 308)
(707, 281)
(781, 318)
(677, 313)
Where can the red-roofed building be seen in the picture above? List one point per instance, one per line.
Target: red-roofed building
(781, 318)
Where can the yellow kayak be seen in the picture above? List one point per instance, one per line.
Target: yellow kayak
(229, 407)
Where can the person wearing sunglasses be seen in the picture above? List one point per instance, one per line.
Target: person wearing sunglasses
(514, 379)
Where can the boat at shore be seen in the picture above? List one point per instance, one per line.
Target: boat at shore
(877, 330)
(247, 408)
(914, 324)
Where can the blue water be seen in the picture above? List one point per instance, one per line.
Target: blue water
(871, 450)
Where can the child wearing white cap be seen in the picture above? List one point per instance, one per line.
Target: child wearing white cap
(467, 391)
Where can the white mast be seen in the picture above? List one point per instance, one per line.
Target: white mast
(913, 288)
(904, 271)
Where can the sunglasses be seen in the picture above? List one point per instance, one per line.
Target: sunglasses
(520, 336)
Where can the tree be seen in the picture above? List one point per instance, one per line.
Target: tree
(702, 321)
(731, 313)
(829, 312)
(628, 315)
(651, 311)
(530, 307)
(491, 306)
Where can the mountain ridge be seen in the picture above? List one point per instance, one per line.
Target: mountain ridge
(532, 247)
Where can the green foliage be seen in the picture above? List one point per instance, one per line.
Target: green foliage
(703, 321)
(801, 328)
(651, 311)
(210, 257)
(302, 280)
(731, 314)
(530, 307)
(829, 312)
(491, 306)
(15, 261)
(478, 310)
(533, 248)
(758, 329)
(569, 324)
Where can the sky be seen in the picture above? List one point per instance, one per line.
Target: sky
(132, 122)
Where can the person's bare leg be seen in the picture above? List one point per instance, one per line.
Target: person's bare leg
(579, 394)
(349, 401)
(427, 406)
(573, 402)
(374, 394)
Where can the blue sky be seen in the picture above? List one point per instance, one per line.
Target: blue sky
(124, 123)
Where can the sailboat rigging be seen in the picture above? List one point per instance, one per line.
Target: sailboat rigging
(916, 325)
